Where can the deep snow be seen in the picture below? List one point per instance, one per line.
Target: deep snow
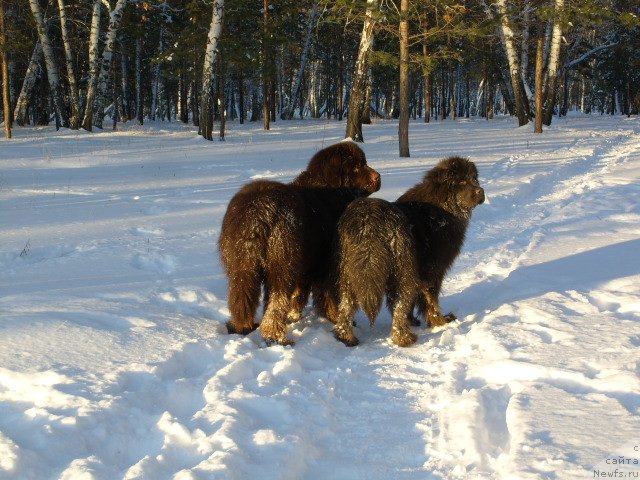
(115, 362)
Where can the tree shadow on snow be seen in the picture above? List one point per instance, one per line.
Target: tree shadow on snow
(580, 271)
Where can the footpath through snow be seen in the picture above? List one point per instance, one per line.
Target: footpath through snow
(115, 362)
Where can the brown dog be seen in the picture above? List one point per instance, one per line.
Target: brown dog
(279, 235)
(404, 249)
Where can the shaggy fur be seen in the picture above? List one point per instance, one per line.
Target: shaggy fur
(404, 249)
(279, 236)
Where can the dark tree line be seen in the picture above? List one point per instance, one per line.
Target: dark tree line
(77, 62)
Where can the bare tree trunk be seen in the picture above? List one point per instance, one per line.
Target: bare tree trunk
(206, 102)
(139, 105)
(508, 41)
(94, 66)
(30, 77)
(403, 126)
(303, 61)
(340, 106)
(426, 75)
(241, 113)
(266, 90)
(552, 68)
(74, 120)
(443, 101)
(222, 97)
(539, 78)
(366, 106)
(358, 85)
(107, 54)
(51, 65)
(126, 100)
(6, 98)
(427, 98)
(524, 49)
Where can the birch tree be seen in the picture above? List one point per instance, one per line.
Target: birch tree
(359, 82)
(551, 84)
(51, 65)
(303, 61)
(206, 101)
(74, 120)
(32, 74)
(94, 66)
(508, 41)
(115, 16)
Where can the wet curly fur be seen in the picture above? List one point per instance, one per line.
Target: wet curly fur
(278, 236)
(403, 249)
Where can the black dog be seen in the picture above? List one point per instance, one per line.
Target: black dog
(404, 249)
(279, 235)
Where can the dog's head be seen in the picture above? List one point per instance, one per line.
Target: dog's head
(452, 185)
(459, 177)
(342, 165)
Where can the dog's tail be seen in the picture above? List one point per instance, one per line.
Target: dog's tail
(242, 245)
(365, 269)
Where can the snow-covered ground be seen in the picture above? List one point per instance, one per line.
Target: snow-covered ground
(115, 362)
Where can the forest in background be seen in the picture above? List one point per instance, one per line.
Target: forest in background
(76, 62)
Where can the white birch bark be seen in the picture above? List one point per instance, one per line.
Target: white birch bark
(303, 61)
(94, 66)
(508, 41)
(556, 37)
(551, 84)
(30, 77)
(524, 50)
(354, 118)
(215, 30)
(50, 62)
(105, 68)
(74, 120)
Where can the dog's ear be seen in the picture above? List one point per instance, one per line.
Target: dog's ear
(326, 169)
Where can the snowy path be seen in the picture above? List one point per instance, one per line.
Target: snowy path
(114, 361)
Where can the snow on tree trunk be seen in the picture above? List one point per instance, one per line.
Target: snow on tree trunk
(105, 68)
(74, 120)
(303, 61)
(30, 77)
(50, 62)
(508, 42)
(94, 66)
(206, 102)
(552, 67)
(359, 83)
(403, 125)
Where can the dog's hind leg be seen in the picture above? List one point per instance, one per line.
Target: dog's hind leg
(401, 311)
(343, 330)
(274, 326)
(244, 296)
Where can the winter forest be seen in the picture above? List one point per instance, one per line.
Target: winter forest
(203, 62)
